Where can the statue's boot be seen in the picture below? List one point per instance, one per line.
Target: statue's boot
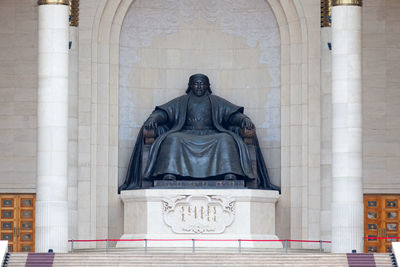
(169, 177)
(230, 176)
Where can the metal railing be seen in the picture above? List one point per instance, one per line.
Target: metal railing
(239, 242)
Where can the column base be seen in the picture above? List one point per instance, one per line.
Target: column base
(51, 226)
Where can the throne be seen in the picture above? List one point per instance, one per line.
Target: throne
(248, 138)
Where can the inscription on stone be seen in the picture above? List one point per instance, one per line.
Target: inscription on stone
(199, 213)
(208, 213)
(199, 184)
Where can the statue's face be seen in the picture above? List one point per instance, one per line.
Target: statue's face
(199, 87)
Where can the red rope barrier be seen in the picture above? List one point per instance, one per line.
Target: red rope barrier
(306, 241)
(182, 239)
(217, 240)
(88, 240)
(126, 240)
(261, 240)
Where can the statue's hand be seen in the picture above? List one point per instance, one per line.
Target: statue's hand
(246, 123)
(150, 124)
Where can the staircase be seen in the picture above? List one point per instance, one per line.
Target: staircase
(129, 258)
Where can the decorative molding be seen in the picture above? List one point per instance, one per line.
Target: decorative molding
(198, 214)
(74, 13)
(160, 18)
(254, 21)
(326, 8)
(53, 2)
(346, 2)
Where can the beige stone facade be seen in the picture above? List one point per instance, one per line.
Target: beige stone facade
(381, 79)
(103, 128)
(18, 96)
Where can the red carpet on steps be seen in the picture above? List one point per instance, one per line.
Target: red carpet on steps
(361, 260)
(39, 260)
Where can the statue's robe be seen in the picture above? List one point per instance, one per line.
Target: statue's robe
(176, 109)
(199, 152)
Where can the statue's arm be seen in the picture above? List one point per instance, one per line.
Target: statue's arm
(240, 120)
(157, 117)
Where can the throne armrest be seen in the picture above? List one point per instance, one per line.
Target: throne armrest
(248, 135)
(149, 136)
(248, 138)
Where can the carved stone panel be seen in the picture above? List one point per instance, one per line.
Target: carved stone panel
(199, 214)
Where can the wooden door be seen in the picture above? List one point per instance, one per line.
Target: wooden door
(381, 219)
(17, 221)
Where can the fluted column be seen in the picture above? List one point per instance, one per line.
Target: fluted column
(52, 127)
(73, 120)
(347, 195)
(326, 122)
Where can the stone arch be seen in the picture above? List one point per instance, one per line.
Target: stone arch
(225, 50)
(105, 68)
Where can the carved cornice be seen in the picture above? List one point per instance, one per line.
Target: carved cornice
(326, 6)
(346, 2)
(53, 2)
(74, 13)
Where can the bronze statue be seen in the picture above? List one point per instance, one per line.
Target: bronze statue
(197, 136)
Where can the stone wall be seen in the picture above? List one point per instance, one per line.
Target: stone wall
(99, 207)
(18, 83)
(381, 96)
(236, 45)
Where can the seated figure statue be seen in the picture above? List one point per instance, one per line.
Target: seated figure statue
(197, 136)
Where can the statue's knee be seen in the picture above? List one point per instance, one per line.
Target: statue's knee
(172, 139)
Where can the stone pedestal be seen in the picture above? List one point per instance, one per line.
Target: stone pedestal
(199, 214)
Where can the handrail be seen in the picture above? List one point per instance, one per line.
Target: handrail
(193, 240)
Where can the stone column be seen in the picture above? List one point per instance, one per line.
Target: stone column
(52, 127)
(326, 122)
(347, 195)
(73, 121)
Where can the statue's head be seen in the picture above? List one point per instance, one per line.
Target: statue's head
(199, 84)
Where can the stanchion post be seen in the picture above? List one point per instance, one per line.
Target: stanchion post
(240, 245)
(72, 246)
(286, 245)
(145, 245)
(320, 246)
(106, 245)
(193, 245)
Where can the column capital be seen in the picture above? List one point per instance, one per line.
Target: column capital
(74, 13)
(346, 2)
(326, 6)
(53, 2)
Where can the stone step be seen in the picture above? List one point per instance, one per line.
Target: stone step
(233, 250)
(202, 264)
(191, 259)
(192, 255)
(197, 265)
(197, 259)
(198, 256)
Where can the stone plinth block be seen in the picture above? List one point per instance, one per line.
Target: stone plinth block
(215, 214)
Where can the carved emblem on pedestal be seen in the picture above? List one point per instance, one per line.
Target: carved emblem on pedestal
(198, 213)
